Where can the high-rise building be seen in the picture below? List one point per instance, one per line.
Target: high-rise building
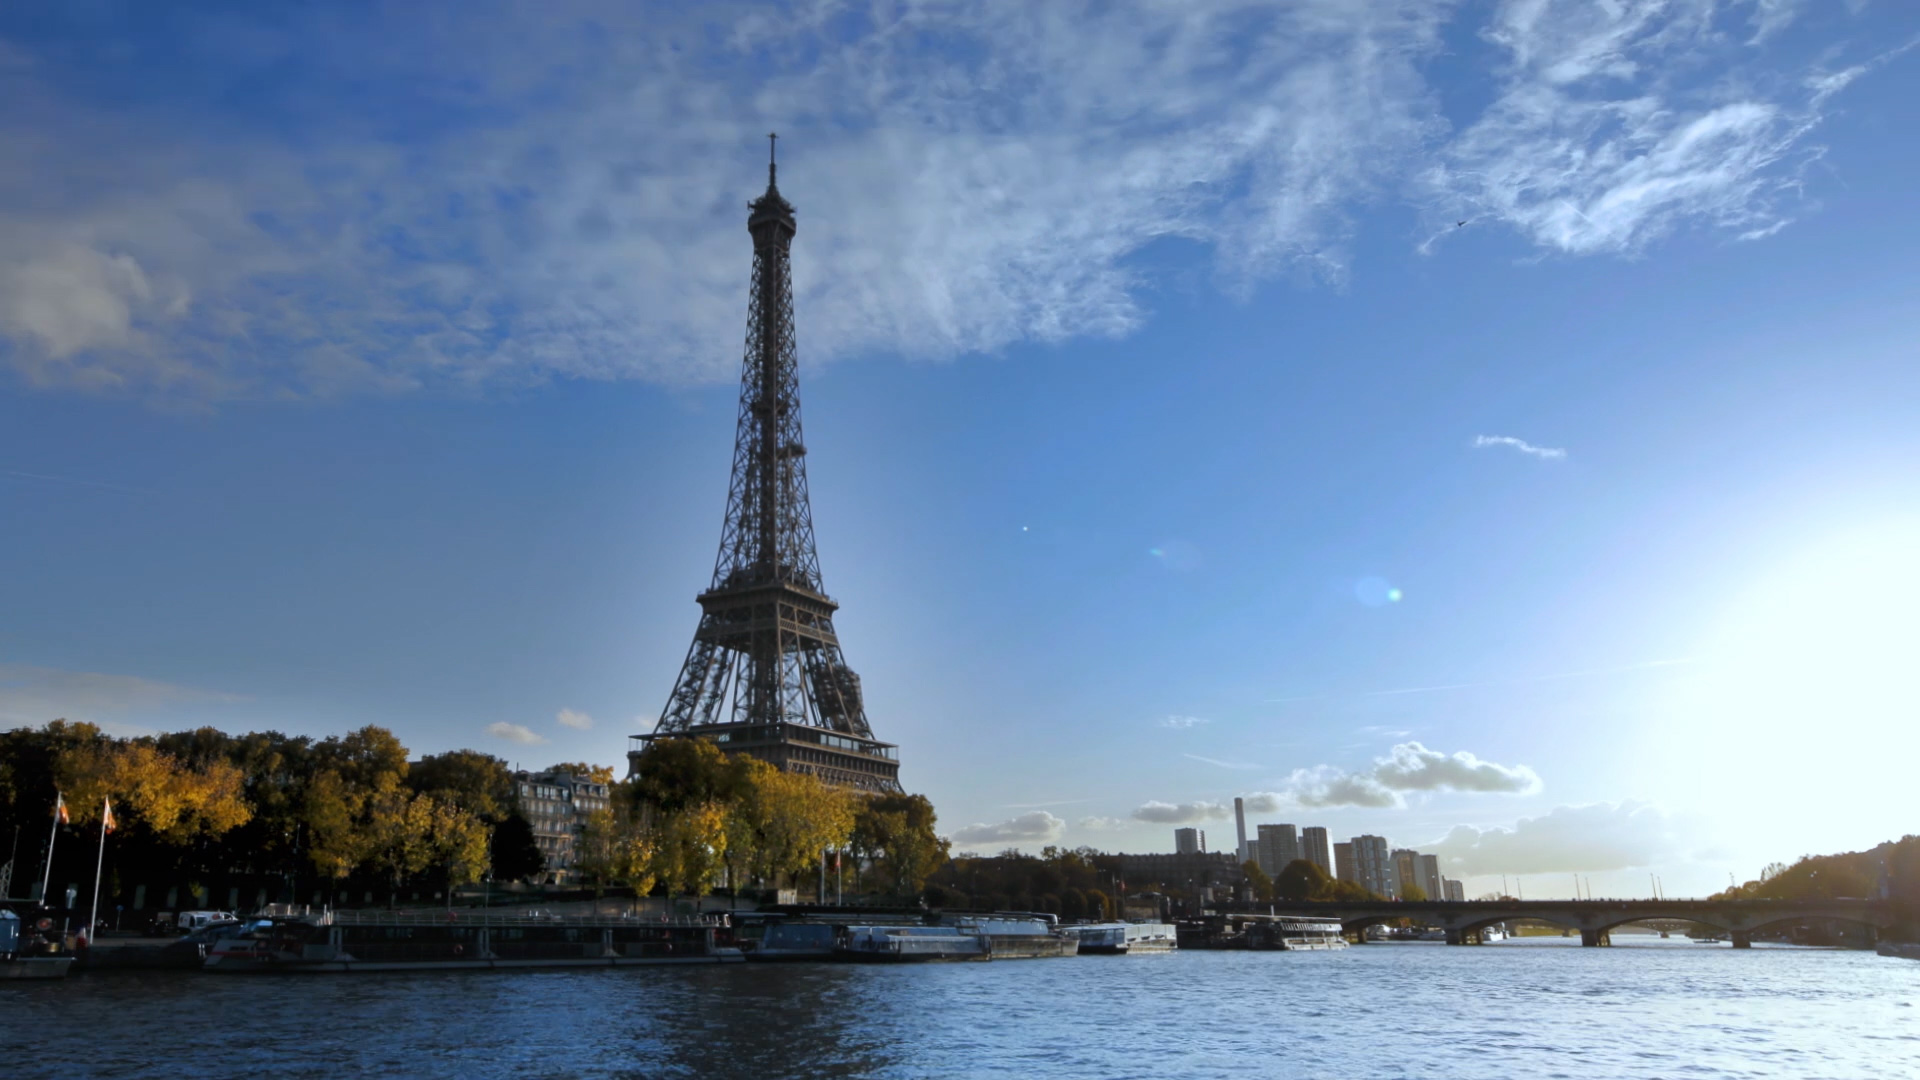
(1240, 828)
(1344, 868)
(1427, 873)
(1455, 890)
(1314, 848)
(1373, 866)
(1186, 841)
(1406, 869)
(1277, 846)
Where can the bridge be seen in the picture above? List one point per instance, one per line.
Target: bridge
(1595, 919)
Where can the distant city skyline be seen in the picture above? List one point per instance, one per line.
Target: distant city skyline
(1487, 429)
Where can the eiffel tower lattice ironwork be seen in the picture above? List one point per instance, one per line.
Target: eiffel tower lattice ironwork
(765, 675)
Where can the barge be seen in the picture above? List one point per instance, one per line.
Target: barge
(344, 941)
(1261, 933)
(1124, 939)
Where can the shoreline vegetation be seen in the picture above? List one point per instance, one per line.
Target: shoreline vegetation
(202, 815)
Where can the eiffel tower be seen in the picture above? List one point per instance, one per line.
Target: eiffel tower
(765, 676)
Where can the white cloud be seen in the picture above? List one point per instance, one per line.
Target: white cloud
(1409, 766)
(1616, 123)
(1586, 839)
(1481, 442)
(1034, 827)
(968, 175)
(1164, 813)
(1264, 802)
(518, 733)
(1181, 722)
(120, 704)
(570, 718)
(1101, 824)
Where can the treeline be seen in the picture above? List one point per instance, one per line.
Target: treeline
(693, 818)
(1303, 880)
(1853, 874)
(1078, 883)
(234, 818)
(1088, 883)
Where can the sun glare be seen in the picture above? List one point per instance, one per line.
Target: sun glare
(1807, 701)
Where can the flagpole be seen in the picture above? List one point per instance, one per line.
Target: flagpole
(100, 861)
(46, 876)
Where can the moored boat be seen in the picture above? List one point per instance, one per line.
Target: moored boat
(400, 941)
(909, 944)
(1017, 937)
(1122, 939)
(30, 952)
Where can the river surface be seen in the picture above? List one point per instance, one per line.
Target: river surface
(1528, 1008)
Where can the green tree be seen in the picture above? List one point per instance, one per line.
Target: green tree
(599, 774)
(1413, 894)
(1258, 879)
(899, 829)
(478, 783)
(1301, 880)
(1099, 907)
(674, 774)
(514, 854)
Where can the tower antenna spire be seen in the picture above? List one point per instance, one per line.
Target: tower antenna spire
(772, 141)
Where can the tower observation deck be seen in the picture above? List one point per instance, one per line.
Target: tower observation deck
(765, 675)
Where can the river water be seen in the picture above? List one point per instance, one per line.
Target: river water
(1528, 1008)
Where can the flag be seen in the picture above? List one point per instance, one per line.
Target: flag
(106, 823)
(60, 807)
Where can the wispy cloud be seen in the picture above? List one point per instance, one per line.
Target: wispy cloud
(1036, 827)
(1101, 824)
(1548, 453)
(969, 176)
(516, 733)
(1181, 722)
(67, 481)
(122, 704)
(1044, 805)
(1222, 764)
(1616, 123)
(572, 718)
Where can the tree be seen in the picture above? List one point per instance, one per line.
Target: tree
(692, 848)
(1301, 880)
(1256, 877)
(616, 846)
(674, 774)
(599, 774)
(1099, 907)
(513, 852)
(799, 817)
(1073, 904)
(174, 803)
(899, 829)
(399, 834)
(478, 783)
(1413, 894)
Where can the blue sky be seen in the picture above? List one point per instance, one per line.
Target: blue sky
(1169, 439)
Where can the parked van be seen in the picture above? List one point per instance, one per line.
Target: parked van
(188, 921)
